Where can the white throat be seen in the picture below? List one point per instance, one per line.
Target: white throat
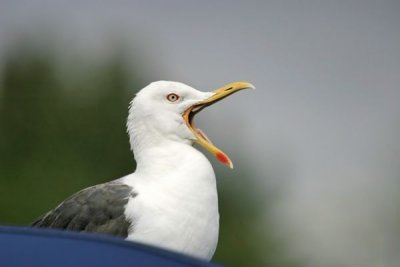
(147, 142)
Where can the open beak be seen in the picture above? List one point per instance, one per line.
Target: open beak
(201, 138)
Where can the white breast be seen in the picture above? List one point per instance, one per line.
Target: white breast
(176, 207)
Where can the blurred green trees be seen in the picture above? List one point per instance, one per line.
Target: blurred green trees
(56, 140)
(60, 134)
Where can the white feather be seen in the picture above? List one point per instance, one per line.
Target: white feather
(176, 206)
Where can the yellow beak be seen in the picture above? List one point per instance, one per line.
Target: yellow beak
(201, 138)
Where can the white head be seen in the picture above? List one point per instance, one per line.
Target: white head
(163, 111)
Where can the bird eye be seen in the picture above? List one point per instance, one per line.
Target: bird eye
(173, 97)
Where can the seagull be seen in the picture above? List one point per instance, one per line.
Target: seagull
(170, 201)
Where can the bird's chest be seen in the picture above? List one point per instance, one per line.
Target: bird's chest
(179, 215)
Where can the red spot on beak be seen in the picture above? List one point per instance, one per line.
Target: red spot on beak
(223, 158)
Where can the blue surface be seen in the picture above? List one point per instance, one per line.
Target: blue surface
(23, 246)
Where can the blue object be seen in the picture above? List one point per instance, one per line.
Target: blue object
(25, 246)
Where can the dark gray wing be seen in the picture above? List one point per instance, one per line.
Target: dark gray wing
(98, 209)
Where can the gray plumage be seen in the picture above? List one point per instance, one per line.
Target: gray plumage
(99, 208)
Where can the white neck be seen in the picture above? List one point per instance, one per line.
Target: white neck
(177, 205)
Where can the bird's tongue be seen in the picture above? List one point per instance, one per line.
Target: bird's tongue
(221, 156)
(203, 134)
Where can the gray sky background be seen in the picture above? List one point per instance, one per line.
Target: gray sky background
(327, 101)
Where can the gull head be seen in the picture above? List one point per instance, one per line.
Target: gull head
(164, 111)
